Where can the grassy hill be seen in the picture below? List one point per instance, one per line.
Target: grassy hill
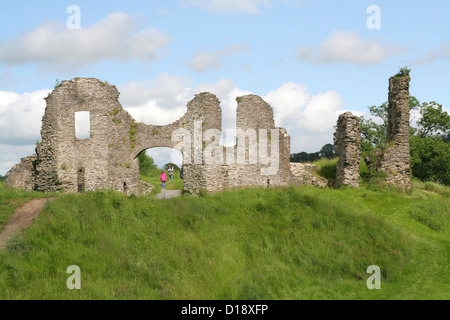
(287, 243)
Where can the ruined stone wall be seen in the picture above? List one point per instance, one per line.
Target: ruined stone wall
(22, 175)
(392, 161)
(103, 161)
(301, 174)
(347, 141)
(266, 162)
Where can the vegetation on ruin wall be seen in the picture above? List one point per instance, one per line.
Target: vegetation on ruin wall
(290, 243)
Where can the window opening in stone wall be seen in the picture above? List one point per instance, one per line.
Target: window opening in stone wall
(82, 125)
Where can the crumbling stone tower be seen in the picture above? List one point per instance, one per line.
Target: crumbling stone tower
(392, 161)
(347, 141)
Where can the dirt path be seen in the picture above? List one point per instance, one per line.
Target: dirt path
(22, 218)
(168, 194)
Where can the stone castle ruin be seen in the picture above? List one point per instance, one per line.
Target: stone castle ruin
(108, 157)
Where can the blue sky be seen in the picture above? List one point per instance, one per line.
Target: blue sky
(311, 60)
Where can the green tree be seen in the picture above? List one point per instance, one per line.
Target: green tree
(430, 159)
(433, 120)
(146, 163)
(373, 135)
(328, 151)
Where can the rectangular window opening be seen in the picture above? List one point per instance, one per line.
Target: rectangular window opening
(82, 125)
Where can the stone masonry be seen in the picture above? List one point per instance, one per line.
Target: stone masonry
(347, 140)
(392, 161)
(108, 159)
(21, 176)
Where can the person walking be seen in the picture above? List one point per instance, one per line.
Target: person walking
(163, 178)
(170, 171)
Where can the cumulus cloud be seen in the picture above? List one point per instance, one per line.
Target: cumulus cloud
(116, 37)
(309, 119)
(20, 116)
(348, 47)
(159, 101)
(203, 61)
(20, 125)
(442, 52)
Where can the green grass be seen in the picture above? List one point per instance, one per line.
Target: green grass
(291, 243)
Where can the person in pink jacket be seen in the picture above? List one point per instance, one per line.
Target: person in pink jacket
(163, 178)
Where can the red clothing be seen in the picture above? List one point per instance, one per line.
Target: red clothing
(163, 177)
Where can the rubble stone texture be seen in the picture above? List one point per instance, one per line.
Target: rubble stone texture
(108, 159)
(347, 141)
(301, 174)
(393, 160)
(21, 176)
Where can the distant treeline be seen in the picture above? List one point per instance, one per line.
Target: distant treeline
(2, 178)
(328, 151)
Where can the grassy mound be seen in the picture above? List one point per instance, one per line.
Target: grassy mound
(292, 243)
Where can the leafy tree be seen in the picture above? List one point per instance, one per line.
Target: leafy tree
(300, 157)
(146, 163)
(328, 151)
(430, 159)
(373, 135)
(433, 120)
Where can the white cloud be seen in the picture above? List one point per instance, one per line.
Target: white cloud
(20, 116)
(308, 119)
(115, 37)
(442, 52)
(159, 101)
(348, 47)
(203, 61)
(229, 6)
(20, 125)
